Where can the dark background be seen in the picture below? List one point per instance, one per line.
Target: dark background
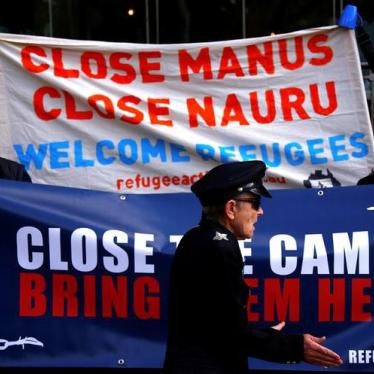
(171, 21)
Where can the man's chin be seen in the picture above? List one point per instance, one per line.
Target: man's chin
(248, 236)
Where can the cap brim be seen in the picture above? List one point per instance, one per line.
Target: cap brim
(258, 189)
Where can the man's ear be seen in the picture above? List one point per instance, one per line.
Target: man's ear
(230, 208)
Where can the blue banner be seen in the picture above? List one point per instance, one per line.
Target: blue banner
(84, 274)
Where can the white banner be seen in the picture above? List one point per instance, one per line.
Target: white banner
(153, 118)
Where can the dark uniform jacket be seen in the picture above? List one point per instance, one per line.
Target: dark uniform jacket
(208, 326)
(13, 170)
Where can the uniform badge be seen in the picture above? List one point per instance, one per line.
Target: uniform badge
(220, 236)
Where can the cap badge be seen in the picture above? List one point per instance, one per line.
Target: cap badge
(220, 236)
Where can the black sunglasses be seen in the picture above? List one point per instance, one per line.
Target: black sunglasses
(256, 202)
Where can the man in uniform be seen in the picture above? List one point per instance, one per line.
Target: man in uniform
(208, 328)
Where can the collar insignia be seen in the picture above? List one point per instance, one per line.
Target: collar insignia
(220, 236)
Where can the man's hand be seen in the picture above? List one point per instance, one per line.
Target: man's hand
(316, 354)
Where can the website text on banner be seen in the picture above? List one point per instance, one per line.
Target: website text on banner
(90, 284)
(154, 118)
